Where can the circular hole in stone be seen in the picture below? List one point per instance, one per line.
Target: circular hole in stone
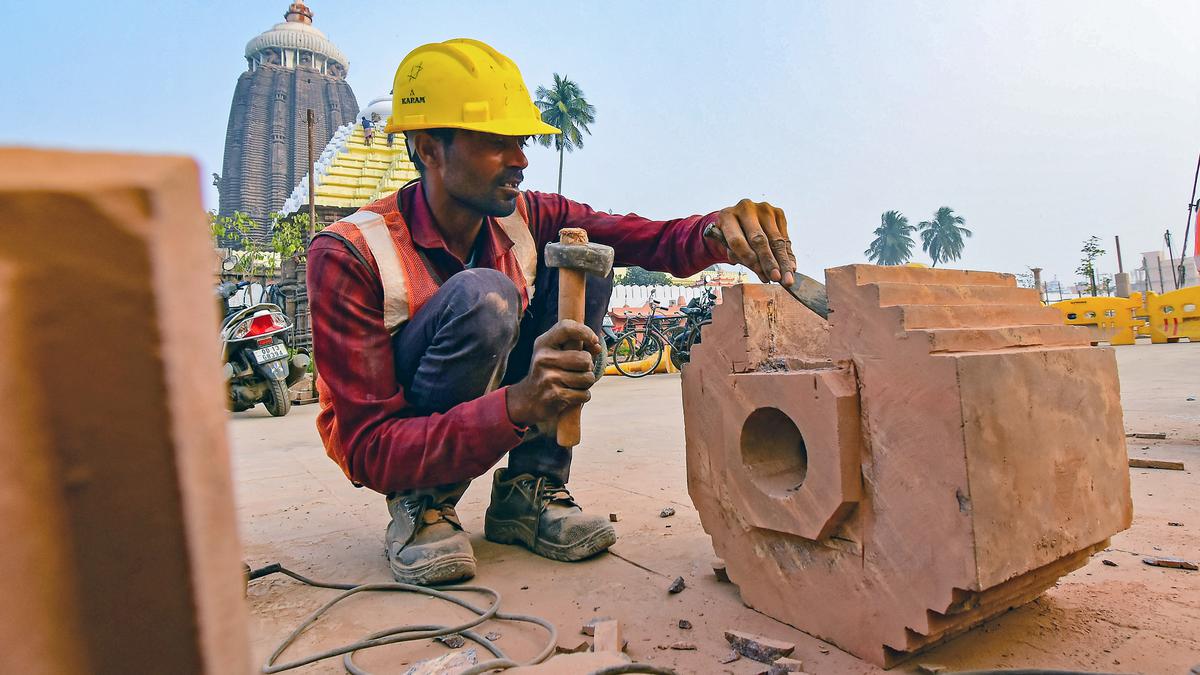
(773, 452)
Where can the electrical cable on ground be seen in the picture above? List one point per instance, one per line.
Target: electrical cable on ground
(419, 632)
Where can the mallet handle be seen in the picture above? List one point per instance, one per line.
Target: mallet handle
(571, 294)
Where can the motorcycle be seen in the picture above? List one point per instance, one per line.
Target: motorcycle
(259, 366)
(697, 314)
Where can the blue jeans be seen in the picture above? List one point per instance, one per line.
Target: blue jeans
(471, 338)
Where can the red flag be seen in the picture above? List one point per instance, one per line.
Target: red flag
(1196, 247)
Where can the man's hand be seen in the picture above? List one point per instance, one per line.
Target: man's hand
(559, 374)
(756, 236)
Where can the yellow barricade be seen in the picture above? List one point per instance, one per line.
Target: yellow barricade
(664, 366)
(1109, 319)
(1141, 313)
(1174, 315)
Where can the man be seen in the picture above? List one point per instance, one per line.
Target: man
(434, 319)
(368, 131)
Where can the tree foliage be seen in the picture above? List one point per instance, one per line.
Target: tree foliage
(636, 276)
(893, 240)
(563, 106)
(942, 237)
(1087, 265)
(248, 257)
(288, 235)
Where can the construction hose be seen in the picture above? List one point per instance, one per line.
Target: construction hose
(420, 632)
(403, 633)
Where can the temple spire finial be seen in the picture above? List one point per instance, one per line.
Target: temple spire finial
(298, 12)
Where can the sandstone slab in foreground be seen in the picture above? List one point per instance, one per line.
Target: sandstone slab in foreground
(116, 504)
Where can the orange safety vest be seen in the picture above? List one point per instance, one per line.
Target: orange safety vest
(378, 232)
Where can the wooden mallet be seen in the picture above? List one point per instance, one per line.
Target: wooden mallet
(575, 258)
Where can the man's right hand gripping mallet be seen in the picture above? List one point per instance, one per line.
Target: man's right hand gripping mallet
(575, 258)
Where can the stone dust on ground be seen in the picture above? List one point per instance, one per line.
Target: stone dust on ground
(295, 507)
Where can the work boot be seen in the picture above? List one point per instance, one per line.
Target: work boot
(426, 544)
(538, 513)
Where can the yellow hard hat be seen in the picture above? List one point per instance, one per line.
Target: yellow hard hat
(463, 84)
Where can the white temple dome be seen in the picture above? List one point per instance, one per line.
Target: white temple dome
(381, 105)
(295, 34)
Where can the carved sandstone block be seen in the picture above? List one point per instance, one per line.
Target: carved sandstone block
(116, 506)
(939, 451)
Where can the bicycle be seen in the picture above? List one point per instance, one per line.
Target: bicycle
(643, 344)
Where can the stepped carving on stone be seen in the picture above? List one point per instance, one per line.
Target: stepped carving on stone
(939, 451)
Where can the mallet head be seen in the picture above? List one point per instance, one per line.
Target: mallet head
(574, 252)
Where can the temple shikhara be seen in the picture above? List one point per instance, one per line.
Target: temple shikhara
(291, 68)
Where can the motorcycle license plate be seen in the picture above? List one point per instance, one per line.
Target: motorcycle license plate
(270, 353)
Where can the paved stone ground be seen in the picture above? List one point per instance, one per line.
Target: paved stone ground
(295, 507)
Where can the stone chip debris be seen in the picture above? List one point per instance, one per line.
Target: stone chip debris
(569, 646)
(785, 665)
(757, 647)
(453, 662)
(1167, 464)
(718, 568)
(589, 628)
(666, 512)
(454, 641)
(608, 637)
(676, 586)
(1174, 563)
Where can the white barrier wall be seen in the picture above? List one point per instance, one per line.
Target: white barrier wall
(636, 296)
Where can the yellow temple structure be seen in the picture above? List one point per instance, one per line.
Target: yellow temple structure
(350, 173)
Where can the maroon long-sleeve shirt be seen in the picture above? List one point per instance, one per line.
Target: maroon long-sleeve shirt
(387, 448)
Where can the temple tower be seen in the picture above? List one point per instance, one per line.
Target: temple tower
(290, 68)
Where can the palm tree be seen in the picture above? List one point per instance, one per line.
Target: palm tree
(564, 107)
(893, 240)
(942, 237)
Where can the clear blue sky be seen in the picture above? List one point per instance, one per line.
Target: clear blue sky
(1040, 122)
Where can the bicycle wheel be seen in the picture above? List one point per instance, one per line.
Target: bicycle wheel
(635, 348)
(677, 338)
(623, 350)
(693, 339)
(637, 354)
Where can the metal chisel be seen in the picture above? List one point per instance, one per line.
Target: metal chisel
(809, 291)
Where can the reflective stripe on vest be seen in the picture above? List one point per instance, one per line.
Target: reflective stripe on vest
(378, 238)
(391, 274)
(516, 226)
